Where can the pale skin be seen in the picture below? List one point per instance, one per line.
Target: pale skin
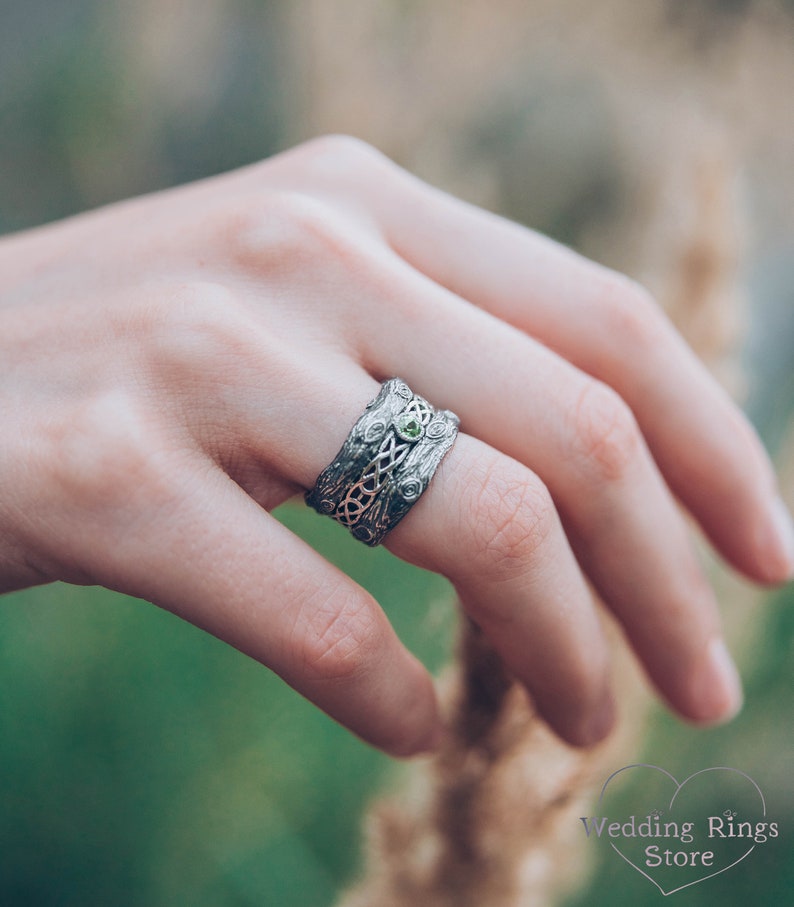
(174, 367)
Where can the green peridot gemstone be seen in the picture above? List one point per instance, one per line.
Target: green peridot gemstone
(409, 428)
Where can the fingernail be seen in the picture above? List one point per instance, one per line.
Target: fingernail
(600, 721)
(436, 739)
(429, 743)
(718, 688)
(783, 539)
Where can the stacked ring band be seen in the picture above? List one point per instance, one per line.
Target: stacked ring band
(385, 464)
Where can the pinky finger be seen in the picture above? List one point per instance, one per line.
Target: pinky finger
(224, 564)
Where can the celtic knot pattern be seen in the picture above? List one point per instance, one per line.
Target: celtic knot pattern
(385, 464)
(376, 474)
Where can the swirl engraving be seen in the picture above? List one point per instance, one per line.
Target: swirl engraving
(410, 488)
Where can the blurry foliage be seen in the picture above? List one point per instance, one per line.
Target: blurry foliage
(759, 742)
(101, 100)
(143, 762)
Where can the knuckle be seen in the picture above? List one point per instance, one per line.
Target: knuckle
(606, 436)
(337, 637)
(290, 232)
(103, 457)
(513, 515)
(629, 312)
(342, 153)
(195, 327)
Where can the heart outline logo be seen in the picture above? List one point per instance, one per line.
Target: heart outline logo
(678, 787)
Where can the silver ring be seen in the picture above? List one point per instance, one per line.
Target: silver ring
(385, 464)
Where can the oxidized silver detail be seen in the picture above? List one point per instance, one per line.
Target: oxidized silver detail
(410, 488)
(386, 462)
(375, 432)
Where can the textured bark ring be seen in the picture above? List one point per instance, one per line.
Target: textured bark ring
(385, 464)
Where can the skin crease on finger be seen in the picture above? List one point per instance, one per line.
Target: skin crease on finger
(609, 327)
(182, 332)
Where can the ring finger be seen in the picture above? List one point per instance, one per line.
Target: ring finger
(487, 523)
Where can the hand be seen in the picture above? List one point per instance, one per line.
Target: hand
(175, 366)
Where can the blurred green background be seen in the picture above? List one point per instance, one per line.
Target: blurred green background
(145, 763)
(142, 762)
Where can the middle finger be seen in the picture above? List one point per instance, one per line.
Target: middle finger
(583, 442)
